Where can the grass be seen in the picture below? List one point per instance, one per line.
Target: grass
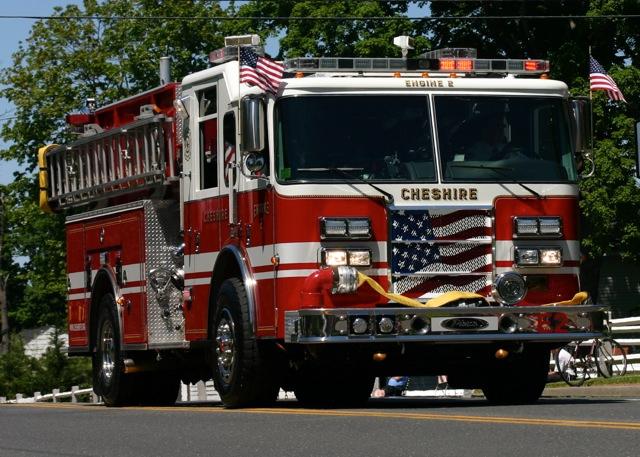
(627, 379)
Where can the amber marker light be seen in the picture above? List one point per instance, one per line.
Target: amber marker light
(299, 74)
(425, 74)
(379, 357)
(501, 354)
(397, 74)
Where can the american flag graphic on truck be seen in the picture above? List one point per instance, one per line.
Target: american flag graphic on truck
(435, 251)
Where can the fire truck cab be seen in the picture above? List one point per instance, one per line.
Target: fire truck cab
(374, 217)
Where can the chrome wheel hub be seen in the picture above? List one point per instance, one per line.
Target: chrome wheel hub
(107, 351)
(225, 347)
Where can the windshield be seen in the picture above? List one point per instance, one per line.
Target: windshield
(377, 138)
(504, 139)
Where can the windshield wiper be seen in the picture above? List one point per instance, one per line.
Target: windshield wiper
(499, 171)
(344, 171)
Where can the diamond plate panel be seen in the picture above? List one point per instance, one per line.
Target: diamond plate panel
(164, 313)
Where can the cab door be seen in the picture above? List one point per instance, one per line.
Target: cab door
(201, 196)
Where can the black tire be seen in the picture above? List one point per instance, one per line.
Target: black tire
(519, 379)
(316, 388)
(109, 379)
(243, 374)
(571, 366)
(605, 352)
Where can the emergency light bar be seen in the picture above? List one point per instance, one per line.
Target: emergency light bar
(229, 53)
(448, 60)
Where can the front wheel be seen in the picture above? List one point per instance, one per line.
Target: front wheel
(242, 372)
(611, 359)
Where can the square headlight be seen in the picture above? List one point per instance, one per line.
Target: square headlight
(527, 256)
(550, 226)
(359, 227)
(552, 257)
(359, 258)
(333, 228)
(334, 257)
(526, 226)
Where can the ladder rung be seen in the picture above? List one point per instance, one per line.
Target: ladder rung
(116, 161)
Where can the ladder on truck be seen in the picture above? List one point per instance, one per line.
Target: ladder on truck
(134, 157)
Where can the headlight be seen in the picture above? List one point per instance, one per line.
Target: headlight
(333, 228)
(360, 258)
(550, 256)
(526, 256)
(334, 257)
(550, 226)
(545, 226)
(509, 288)
(353, 257)
(359, 228)
(345, 228)
(526, 226)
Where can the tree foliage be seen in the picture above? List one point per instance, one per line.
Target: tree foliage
(20, 373)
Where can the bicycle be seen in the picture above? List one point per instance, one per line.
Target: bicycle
(576, 361)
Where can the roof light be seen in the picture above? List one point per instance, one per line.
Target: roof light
(242, 40)
(447, 64)
(536, 65)
(464, 64)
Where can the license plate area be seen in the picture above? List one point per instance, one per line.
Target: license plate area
(467, 324)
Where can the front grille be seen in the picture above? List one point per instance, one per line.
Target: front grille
(437, 251)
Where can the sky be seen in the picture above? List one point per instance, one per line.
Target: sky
(12, 32)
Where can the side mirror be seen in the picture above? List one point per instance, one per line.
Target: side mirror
(252, 118)
(581, 108)
(581, 111)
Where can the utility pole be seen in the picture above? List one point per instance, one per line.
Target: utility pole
(4, 310)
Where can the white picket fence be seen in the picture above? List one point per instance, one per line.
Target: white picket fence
(623, 326)
(56, 396)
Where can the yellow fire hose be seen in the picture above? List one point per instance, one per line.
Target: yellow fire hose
(449, 297)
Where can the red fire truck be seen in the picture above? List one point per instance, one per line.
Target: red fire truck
(374, 217)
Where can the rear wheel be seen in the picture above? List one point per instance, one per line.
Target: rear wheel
(610, 358)
(242, 372)
(109, 379)
(518, 380)
(571, 367)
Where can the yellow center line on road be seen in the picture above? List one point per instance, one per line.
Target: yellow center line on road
(574, 423)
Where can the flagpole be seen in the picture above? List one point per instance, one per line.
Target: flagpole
(591, 103)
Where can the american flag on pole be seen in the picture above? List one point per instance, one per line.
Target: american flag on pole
(600, 80)
(260, 71)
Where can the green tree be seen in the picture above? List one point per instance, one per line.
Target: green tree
(300, 37)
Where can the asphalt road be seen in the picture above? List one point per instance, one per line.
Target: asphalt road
(386, 427)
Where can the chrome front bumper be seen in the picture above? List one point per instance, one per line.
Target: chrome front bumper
(444, 325)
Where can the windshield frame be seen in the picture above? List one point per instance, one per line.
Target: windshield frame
(499, 177)
(434, 140)
(341, 175)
